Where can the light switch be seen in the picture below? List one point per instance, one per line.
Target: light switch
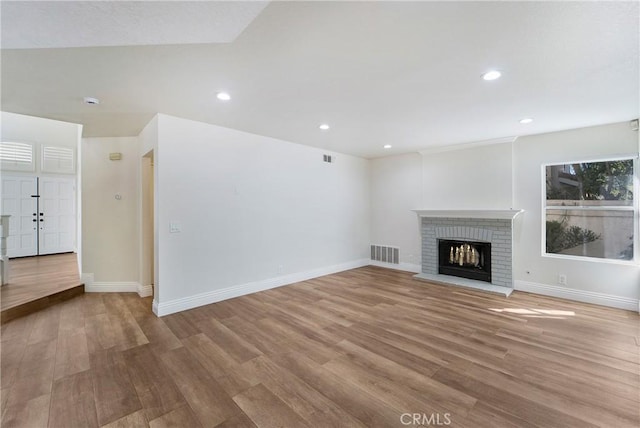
(175, 227)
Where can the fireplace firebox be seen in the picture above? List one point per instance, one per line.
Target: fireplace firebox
(465, 259)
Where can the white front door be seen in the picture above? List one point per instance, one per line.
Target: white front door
(48, 230)
(57, 216)
(20, 202)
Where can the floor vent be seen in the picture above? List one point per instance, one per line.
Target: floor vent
(382, 253)
(327, 158)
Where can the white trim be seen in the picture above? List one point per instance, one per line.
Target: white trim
(579, 295)
(481, 214)
(86, 279)
(145, 290)
(190, 302)
(112, 287)
(92, 286)
(453, 147)
(406, 267)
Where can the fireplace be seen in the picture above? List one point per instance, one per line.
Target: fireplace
(465, 259)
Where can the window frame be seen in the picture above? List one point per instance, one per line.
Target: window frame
(21, 167)
(634, 207)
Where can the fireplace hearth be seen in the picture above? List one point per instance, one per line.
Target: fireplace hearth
(465, 259)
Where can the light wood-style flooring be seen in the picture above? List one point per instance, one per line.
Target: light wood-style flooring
(362, 348)
(33, 278)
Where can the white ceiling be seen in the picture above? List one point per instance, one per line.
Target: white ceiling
(399, 73)
(71, 24)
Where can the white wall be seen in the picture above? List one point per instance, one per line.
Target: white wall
(530, 153)
(396, 189)
(110, 230)
(251, 209)
(477, 178)
(21, 128)
(508, 176)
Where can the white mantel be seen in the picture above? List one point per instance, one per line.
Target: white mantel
(486, 214)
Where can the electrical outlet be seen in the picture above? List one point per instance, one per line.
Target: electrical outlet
(562, 279)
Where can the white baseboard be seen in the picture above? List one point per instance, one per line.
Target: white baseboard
(145, 290)
(579, 295)
(112, 287)
(406, 267)
(190, 302)
(92, 286)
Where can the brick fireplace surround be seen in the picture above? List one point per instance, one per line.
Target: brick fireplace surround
(494, 226)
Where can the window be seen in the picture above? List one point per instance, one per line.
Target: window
(16, 156)
(58, 159)
(589, 209)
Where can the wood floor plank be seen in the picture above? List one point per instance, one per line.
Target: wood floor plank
(30, 413)
(220, 365)
(234, 345)
(99, 332)
(207, 398)
(311, 405)
(368, 409)
(485, 416)
(266, 410)
(46, 325)
(34, 376)
(72, 402)
(438, 393)
(156, 390)
(183, 416)
(11, 353)
(115, 395)
(238, 421)
(132, 420)
(72, 354)
(502, 399)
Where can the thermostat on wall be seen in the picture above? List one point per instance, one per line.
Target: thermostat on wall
(115, 156)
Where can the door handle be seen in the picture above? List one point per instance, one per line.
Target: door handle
(35, 213)
(40, 219)
(41, 213)
(34, 220)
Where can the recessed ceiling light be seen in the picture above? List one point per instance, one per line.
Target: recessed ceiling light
(91, 101)
(491, 75)
(386, 146)
(526, 120)
(223, 96)
(324, 127)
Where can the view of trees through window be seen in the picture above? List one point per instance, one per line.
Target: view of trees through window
(589, 209)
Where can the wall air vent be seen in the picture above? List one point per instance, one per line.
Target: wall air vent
(327, 158)
(386, 254)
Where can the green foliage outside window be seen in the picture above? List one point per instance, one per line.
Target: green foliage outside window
(562, 237)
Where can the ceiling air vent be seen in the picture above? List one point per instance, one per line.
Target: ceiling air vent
(327, 158)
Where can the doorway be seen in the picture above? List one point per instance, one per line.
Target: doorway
(43, 214)
(148, 242)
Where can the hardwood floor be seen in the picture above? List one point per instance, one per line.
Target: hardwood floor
(39, 282)
(364, 348)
